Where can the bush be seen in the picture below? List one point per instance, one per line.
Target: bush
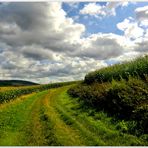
(93, 95)
(127, 100)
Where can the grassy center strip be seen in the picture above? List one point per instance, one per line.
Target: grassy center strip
(63, 134)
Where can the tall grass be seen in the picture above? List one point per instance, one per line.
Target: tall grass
(135, 68)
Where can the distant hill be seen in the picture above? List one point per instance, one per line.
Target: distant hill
(16, 83)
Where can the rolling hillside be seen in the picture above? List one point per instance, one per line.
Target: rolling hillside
(16, 83)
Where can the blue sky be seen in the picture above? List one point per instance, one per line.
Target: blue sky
(105, 24)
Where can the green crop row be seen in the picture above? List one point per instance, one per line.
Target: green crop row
(137, 68)
(8, 95)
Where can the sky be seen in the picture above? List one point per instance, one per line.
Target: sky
(63, 41)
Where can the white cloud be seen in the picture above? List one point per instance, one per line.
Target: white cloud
(94, 9)
(39, 42)
(142, 15)
(136, 29)
(40, 47)
(102, 46)
(142, 45)
(130, 29)
(131, 55)
(34, 21)
(142, 12)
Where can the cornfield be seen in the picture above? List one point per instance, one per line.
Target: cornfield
(137, 68)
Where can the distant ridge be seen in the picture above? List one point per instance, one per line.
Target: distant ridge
(16, 83)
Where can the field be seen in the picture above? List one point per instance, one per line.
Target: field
(51, 117)
(107, 113)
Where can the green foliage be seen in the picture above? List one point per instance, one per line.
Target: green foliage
(121, 90)
(137, 68)
(122, 126)
(91, 123)
(126, 100)
(127, 97)
(93, 95)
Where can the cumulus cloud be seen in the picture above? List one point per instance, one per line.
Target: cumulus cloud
(142, 15)
(136, 30)
(95, 9)
(101, 46)
(130, 28)
(39, 42)
(142, 46)
(33, 21)
(131, 55)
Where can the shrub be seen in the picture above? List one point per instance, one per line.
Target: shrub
(93, 95)
(127, 100)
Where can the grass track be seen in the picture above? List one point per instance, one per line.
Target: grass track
(53, 118)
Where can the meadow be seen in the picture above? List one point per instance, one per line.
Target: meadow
(53, 118)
